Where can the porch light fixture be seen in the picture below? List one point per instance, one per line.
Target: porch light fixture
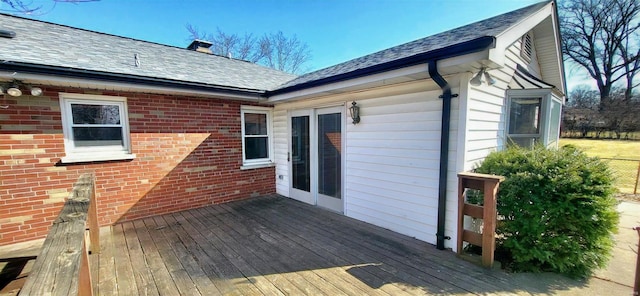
(354, 111)
(477, 80)
(13, 89)
(490, 80)
(36, 91)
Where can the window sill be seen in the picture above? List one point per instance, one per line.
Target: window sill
(96, 157)
(257, 166)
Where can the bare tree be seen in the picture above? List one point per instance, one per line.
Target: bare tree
(583, 97)
(581, 114)
(584, 114)
(283, 53)
(619, 113)
(274, 50)
(28, 7)
(600, 36)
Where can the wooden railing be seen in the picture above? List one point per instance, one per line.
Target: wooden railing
(488, 184)
(62, 267)
(636, 284)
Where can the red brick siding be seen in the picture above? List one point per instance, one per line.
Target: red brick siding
(188, 154)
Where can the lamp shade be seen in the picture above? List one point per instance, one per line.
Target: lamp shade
(490, 80)
(477, 80)
(36, 91)
(14, 91)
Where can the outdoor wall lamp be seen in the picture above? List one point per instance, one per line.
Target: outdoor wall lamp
(477, 80)
(13, 89)
(354, 111)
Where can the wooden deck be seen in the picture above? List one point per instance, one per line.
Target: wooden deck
(274, 246)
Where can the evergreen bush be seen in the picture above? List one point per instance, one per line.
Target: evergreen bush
(556, 209)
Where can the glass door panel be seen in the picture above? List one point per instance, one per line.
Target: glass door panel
(315, 157)
(300, 153)
(329, 155)
(300, 156)
(329, 158)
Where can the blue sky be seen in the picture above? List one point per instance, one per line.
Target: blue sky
(335, 31)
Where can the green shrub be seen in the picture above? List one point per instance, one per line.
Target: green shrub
(556, 208)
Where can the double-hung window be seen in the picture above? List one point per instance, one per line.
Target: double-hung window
(533, 117)
(257, 149)
(95, 128)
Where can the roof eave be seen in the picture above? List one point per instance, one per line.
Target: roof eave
(133, 81)
(467, 47)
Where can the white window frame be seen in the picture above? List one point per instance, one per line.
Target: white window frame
(261, 162)
(544, 129)
(100, 153)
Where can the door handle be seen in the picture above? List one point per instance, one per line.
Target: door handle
(288, 156)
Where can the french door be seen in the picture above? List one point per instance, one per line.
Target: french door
(315, 157)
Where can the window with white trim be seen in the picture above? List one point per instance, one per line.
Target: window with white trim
(257, 148)
(533, 117)
(96, 128)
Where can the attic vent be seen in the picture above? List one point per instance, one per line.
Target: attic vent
(7, 33)
(200, 45)
(526, 50)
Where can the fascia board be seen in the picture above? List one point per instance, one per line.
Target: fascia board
(446, 66)
(122, 86)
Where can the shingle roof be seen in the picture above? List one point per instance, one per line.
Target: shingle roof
(43, 43)
(488, 27)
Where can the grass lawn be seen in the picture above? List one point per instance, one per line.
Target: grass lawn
(606, 148)
(626, 153)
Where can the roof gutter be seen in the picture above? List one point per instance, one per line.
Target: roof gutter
(466, 47)
(46, 70)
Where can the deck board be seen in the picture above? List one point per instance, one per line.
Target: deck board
(147, 230)
(125, 282)
(277, 246)
(380, 249)
(272, 249)
(141, 273)
(233, 268)
(304, 250)
(106, 264)
(203, 283)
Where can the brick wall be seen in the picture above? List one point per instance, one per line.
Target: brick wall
(188, 154)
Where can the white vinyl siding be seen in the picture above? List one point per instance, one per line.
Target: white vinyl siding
(281, 140)
(486, 108)
(547, 56)
(392, 165)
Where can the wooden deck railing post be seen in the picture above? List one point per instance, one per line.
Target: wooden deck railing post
(94, 228)
(635, 188)
(62, 267)
(85, 284)
(636, 286)
(488, 184)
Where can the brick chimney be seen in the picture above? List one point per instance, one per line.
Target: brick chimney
(200, 45)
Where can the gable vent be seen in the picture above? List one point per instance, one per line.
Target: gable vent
(526, 50)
